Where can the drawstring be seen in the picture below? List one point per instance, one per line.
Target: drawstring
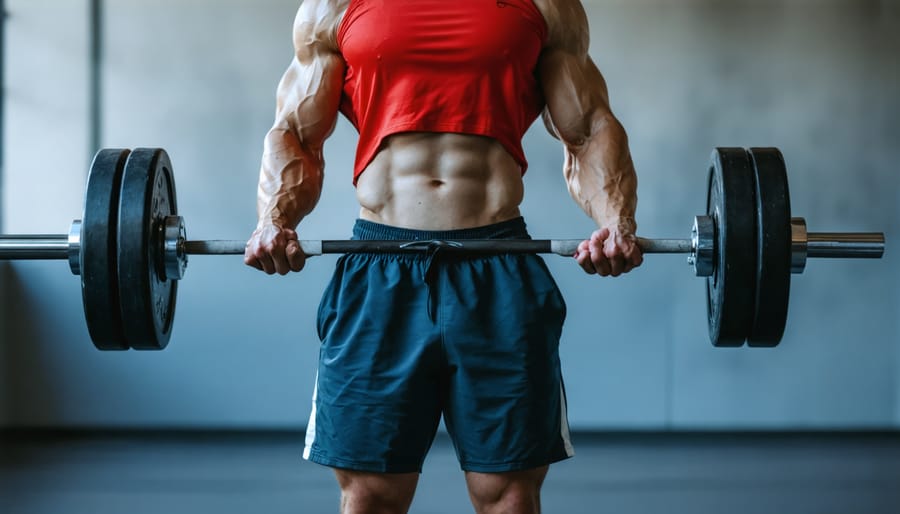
(429, 276)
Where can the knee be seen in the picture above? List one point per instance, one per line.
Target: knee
(375, 493)
(517, 492)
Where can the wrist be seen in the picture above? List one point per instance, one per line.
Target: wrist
(624, 225)
(274, 218)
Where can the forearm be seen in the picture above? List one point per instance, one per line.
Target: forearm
(601, 177)
(290, 180)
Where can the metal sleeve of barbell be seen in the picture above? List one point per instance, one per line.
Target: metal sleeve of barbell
(34, 247)
(845, 245)
(565, 247)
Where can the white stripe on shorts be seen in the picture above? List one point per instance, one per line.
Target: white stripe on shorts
(564, 424)
(311, 426)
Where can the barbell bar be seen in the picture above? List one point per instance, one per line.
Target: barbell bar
(131, 248)
(835, 245)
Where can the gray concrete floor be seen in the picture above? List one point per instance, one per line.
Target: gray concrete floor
(617, 473)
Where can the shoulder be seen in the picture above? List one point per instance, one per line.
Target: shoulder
(316, 24)
(567, 24)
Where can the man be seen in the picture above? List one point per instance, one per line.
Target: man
(441, 93)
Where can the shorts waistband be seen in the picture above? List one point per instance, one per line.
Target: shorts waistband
(511, 229)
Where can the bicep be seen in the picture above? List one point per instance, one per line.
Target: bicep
(309, 96)
(309, 92)
(575, 92)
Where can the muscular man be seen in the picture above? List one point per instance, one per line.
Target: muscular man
(442, 93)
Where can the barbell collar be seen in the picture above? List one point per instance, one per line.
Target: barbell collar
(703, 246)
(74, 247)
(175, 260)
(799, 245)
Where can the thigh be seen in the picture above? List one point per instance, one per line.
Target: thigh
(377, 400)
(505, 403)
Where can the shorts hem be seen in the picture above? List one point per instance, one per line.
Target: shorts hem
(520, 465)
(367, 466)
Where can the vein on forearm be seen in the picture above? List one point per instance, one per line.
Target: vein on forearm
(598, 168)
(292, 170)
(292, 175)
(600, 174)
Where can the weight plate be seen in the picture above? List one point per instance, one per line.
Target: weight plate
(773, 247)
(730, 289)
(98, 254)
(147, 298)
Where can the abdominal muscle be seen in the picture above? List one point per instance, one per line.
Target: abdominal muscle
(430, 181)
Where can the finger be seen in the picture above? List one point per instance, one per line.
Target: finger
(633, 257)
(274, 251)
(615, 255)
(265, 260)
(253, 262)
(631, 262)
(615, 259)
(635, 260)
(599, 236)
(280, 260)
(583, 247)
(250, 259)
(601, 263)
(584, 260)
(296, 257)
(616, 264)
(598, 259)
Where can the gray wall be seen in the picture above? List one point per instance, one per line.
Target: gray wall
(818, 79)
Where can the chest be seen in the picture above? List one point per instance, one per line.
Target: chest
(441, 33)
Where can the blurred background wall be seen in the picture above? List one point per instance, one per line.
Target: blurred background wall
(819, 79)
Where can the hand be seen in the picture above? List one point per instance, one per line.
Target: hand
(609, 253)
(274, 249)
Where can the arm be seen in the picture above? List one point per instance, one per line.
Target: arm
(292, 170)
(598, 168)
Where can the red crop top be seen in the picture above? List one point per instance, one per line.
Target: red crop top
(464, 66)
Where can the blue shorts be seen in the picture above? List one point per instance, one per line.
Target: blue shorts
(409, 337)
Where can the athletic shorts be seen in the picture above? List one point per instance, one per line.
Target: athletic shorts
(409, 337)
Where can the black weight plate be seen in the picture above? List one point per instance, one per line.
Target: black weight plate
(731, 204)
(147, 299)
(99, 225)
(773, 247)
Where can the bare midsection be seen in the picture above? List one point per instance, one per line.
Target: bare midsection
(440, 182)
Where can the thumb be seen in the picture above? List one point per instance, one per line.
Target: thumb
(296, 257)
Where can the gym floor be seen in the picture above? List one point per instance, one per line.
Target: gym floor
(621, 473)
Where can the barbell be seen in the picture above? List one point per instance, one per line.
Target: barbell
(130, 248)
